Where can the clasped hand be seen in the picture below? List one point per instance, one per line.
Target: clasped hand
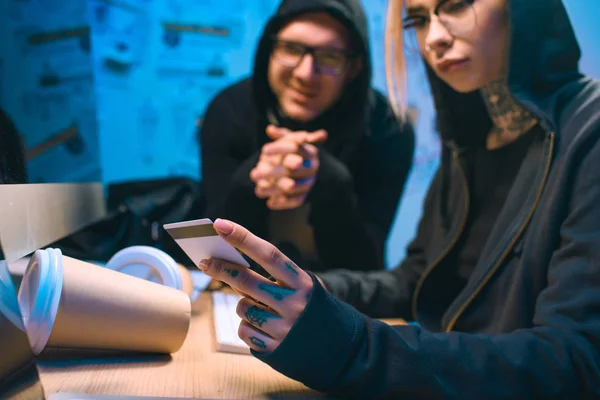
(269, 309)
(287, 168)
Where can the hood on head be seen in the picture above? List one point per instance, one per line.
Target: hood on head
(351, 14)
(543, 58)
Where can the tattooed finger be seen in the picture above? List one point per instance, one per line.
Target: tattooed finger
(260, 317)
(256, 339)
(244, 280)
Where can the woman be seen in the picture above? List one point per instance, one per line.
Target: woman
(503, 277)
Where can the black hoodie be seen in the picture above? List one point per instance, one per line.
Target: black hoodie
(363, 164)
(527, 323)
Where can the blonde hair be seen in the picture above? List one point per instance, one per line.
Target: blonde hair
(395, 59)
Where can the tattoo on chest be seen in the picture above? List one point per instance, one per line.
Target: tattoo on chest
(277, 292)
(510, 119)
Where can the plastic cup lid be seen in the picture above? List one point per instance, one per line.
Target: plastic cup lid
(39, 296)
(147, 263)
(8, 303)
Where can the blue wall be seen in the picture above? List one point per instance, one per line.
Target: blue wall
(47, 86)
(113, 90)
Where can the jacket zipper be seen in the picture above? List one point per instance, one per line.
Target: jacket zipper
(502, 258)
(432, 266)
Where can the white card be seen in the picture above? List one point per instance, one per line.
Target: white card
(199, 240)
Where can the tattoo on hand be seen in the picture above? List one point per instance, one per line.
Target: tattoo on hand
(278, 292)
(292, 267)
(232, 272)
(257, 342)
(257, 316)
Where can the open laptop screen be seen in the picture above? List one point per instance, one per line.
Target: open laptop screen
(56, 211)
(19, 378)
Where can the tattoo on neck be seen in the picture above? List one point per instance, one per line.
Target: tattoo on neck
(510, 119)
(292, 267)
(258, 342)
(257, 316)
(278, 292)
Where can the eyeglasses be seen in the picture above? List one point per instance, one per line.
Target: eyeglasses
(457, 16)
(327, 60)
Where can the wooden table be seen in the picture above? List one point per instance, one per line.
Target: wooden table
(197, 370)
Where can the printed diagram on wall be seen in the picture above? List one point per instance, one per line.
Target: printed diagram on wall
(187, 111)
(197, 48)
(21, 12)
(148, 125)
(63, 135)
(75, 146)
(64, 56)
(121, 39)
(216, 9)
(61, 98)
(53, 104)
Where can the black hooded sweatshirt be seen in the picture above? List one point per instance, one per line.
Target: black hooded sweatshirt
(526, 325)
(363, 164)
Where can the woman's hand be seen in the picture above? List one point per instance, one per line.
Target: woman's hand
(271, 307)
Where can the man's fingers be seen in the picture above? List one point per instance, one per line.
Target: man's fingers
(267, 171)
(293, 187)
(299, 137)
(285, 202)
(309, 151)
(319, 136)
(292, 161)
(264, 253)
(274, 160)
(266, 188)
(264, 193)
(280, 147)
(276, 133)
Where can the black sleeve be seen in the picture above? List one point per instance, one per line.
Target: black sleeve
(335, 349)
(226, 183)
(355, 213)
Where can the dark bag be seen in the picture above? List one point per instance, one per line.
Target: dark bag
(12, 152)
(137, 211)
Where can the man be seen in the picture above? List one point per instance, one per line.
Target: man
(305, 153)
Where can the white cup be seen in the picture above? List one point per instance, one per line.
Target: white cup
(153, 265)
(69, 303)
